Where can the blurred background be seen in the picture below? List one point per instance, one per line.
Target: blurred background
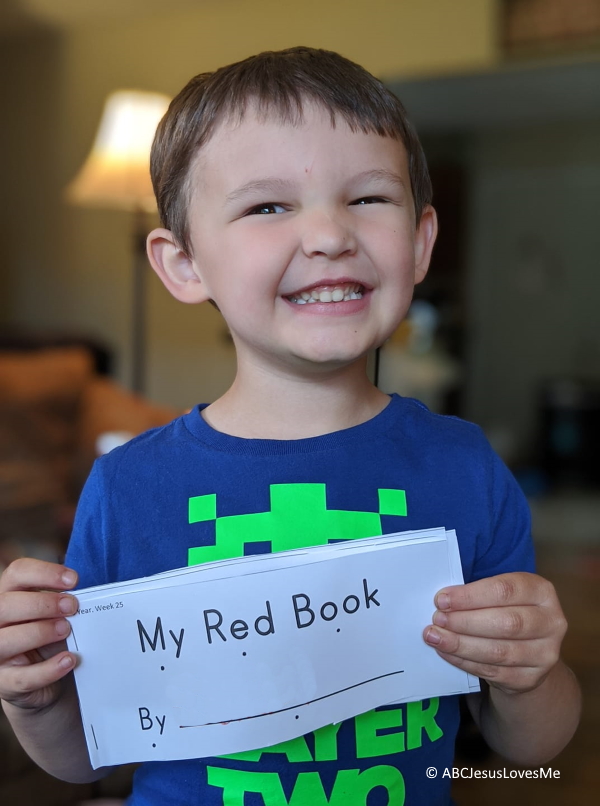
(505, 330)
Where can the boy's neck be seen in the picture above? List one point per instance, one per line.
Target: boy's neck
(265, 405)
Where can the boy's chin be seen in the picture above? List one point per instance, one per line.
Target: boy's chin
(309, 359)
(324, 361)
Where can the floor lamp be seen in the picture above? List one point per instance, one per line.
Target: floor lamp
(116, 175)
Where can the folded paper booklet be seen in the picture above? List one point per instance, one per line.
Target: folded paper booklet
(241, 654)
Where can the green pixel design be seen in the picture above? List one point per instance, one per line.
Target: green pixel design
(298, 518)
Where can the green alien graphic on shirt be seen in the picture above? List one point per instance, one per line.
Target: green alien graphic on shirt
(299, 518)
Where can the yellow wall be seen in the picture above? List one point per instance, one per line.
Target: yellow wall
(83, 280)
(389, 37)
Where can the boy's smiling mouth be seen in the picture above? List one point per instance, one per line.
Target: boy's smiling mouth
(327, 292)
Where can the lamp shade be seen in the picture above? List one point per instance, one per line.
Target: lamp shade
(116, 173)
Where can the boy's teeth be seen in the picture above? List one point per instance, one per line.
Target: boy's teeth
(336, 294)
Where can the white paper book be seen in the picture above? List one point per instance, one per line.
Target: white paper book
(246, 653)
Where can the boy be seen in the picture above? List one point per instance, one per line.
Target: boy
(294, 195)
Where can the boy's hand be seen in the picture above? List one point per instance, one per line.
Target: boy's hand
(505, 629)
(32, 632)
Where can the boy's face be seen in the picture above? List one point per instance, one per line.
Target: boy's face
(281, 214)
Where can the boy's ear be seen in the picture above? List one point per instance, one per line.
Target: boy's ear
(176, 270)
(426, 234)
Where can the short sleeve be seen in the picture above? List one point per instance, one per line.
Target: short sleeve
(86, 552)
(508, 544)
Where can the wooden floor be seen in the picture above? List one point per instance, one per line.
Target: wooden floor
(575, 571)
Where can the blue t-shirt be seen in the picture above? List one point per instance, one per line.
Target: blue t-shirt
(185, 493)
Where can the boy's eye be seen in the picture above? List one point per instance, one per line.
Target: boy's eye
(369, 200)
(266, 209)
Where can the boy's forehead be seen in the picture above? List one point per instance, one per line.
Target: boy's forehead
(254, 132)
(307, 114)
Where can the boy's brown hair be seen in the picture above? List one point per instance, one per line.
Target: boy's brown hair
(277, 82)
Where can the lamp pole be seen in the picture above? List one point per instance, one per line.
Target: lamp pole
(138, 303)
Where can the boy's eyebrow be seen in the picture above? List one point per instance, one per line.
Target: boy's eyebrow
(276, 185)
(382, 174)
(268, 185)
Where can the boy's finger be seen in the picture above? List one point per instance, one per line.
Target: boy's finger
(24, 638)
(26, 574)
(17, 681)
(494, 652)
(21, 606)
(521, 679)
(496, 622)
(504, 590)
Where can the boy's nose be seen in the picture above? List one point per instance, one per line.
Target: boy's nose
(328, 235)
